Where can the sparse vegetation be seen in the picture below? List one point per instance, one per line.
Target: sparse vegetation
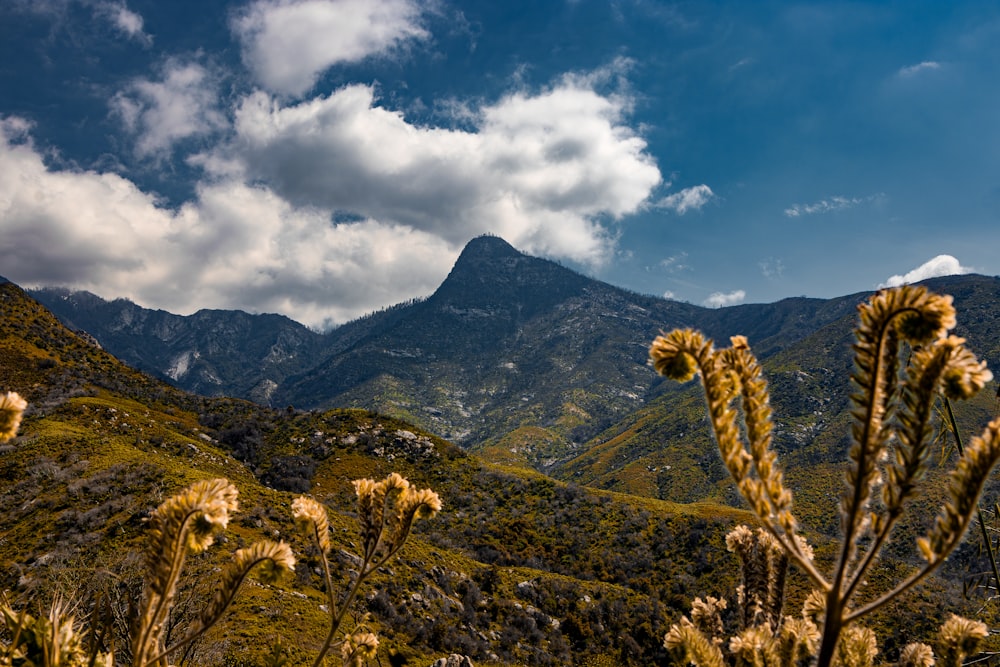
(521, 569)
(891, 437)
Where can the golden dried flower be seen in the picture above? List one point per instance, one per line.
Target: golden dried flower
(857, 647)
(370, 513)
(921, 315)
(186, 522)
(707, 616)
(12, 408)
(916, 655)
(671, 354)
(798, 639)
(966, 482)
(311, 518)
(754, 646)
(814, 606)
(694, 647)
(964, 376)
(958, 638)
(357, 648)
(275, 559)
(422, 504)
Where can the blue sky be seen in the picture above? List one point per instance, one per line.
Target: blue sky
(326, 158)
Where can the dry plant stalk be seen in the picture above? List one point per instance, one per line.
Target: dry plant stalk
(183, 524)
(386, 512)
(53, 641)
(891, 435)
(188, 523)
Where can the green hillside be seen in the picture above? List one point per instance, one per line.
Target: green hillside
(517, 569)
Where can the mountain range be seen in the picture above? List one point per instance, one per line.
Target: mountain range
(521, 359)
(518, 568)
(527, 364)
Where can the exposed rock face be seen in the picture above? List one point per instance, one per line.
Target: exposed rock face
(453, 660)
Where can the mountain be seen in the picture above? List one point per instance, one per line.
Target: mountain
(521, 359)
(517, 569)
(665, 449)
(208, 352)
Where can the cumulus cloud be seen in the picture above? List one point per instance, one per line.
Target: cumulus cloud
(234, 246)
(183, 103)
(322, 210)
(722, 299)
(942, 265)
(688, 199)
(540, 169)
(288, 44)
(326, 209)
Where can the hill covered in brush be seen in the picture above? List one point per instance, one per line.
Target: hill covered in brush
(517, 569)
(531, 364)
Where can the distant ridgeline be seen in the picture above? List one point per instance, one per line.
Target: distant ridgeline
(517, 568)
(526, 362)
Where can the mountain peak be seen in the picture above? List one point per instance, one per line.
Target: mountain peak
(487, 247)
(491, 277)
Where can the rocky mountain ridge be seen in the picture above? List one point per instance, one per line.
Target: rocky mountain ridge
(513, 355)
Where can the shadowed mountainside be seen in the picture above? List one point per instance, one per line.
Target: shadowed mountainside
(521, 359)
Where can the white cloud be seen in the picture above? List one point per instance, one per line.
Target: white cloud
(265, 232)
(723, 299)
(539, 170)
(942, 265)
(287, 44)
(913, 70)
(688, 199)
(542, 170)
(669, 295)
(831, 204)
(675, 263)
(124, 20)
(234, 246)
(115, 12)
(182, 104)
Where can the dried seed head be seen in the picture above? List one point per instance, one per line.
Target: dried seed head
(422, 504)
(964, 375)
(187, 521)
(692, 645)
(923, 315)
(311, 518)
(754, 646)
(958, 638)
(387, 510)
(857, 647)
(670, 356)
(965, 484)
(916, 655)
(12, 408)
(707, 616)
(275, 559)
(814, 606)
(357, 648)
(799, 639)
